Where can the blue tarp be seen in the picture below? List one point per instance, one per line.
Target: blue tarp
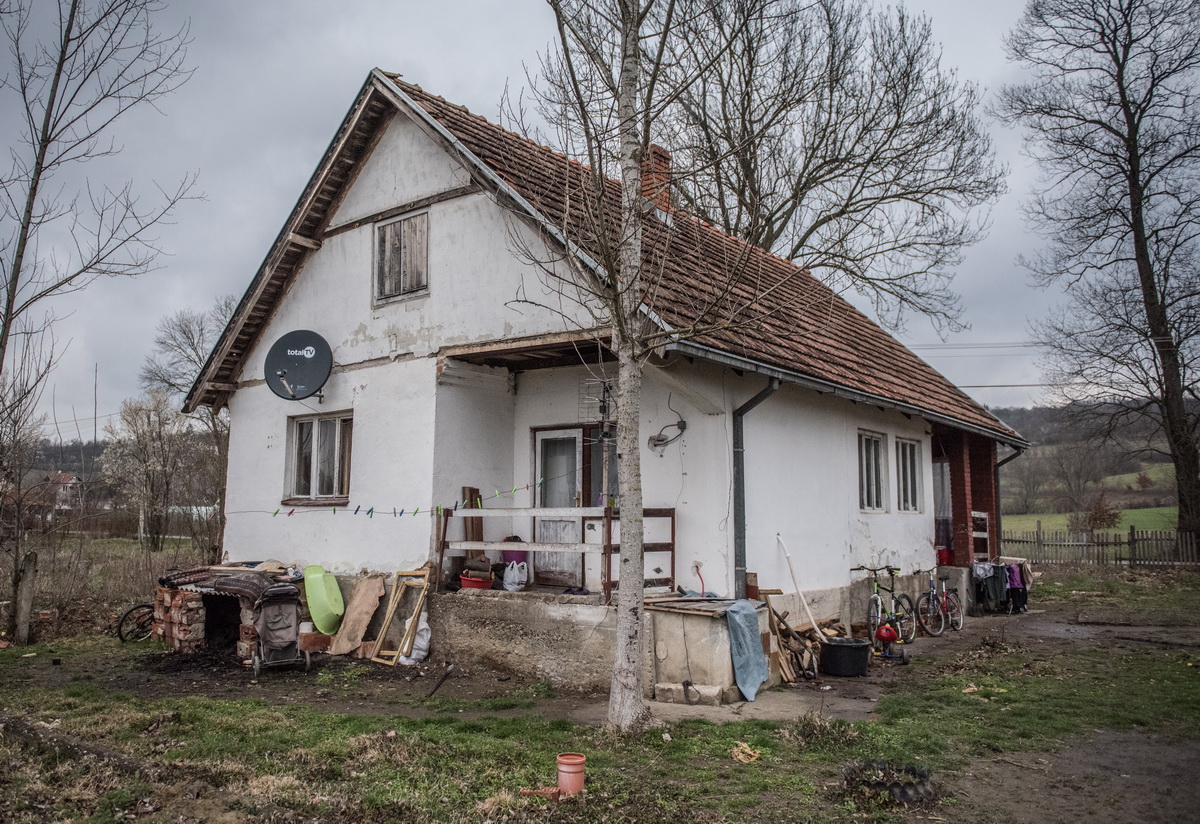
(745, 645)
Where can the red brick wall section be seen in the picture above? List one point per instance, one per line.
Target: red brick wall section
(960, 495)
(983, 487)
(179, 619)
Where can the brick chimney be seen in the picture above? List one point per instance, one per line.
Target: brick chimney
(656, 177)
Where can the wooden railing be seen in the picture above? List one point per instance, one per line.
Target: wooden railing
(606, 547)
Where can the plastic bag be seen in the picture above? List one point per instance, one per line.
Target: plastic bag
(420, 649)
(516, 575)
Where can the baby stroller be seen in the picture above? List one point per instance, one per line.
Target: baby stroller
(277, 620)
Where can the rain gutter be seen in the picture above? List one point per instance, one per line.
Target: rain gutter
(739, 487)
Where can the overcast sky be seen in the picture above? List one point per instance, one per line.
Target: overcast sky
(272, 81)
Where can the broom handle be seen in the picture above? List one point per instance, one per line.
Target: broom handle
(791, 569)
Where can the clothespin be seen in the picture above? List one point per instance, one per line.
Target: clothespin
(276, 512)
(357, 508)
(371, 512)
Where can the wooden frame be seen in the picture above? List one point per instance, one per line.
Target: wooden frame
(402, 582)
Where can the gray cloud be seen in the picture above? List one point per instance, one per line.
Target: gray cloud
(274, 79)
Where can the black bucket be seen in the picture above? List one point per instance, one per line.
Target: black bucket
(845, 656)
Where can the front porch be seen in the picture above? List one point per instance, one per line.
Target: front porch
(590, 559)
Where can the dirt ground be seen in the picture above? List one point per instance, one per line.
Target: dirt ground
(1109, 776)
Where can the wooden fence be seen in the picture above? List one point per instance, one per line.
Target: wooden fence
(1137, 547)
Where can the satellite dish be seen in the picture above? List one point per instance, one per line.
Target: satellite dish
(298, 364)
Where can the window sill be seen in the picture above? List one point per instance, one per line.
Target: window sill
(331, 501)
(388, 300)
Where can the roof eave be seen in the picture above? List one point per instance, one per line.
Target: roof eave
(207, 388)
(697, 350)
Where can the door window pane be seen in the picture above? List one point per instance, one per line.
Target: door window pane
(559, 469)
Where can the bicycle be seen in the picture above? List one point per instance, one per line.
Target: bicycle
(899, 610)
(937, 609)
(136, 624)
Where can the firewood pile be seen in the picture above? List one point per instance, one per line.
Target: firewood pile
(799, 646)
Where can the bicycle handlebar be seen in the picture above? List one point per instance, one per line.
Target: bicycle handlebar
(890, 570)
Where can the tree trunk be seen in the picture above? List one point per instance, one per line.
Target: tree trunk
(1184, 452)
(26, 585)
(627, 709)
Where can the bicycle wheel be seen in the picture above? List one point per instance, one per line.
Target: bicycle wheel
(929, 614)
(954, 612)
(906, 618)
(136, 624)
(874, 616)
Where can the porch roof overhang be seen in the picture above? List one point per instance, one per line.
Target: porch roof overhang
(573, 348)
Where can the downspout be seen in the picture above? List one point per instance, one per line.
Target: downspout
(739, 487)
(999, 508)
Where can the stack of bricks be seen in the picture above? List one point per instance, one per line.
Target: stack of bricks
(247, 636)
(179, 619)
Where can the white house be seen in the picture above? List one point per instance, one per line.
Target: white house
(455, 365)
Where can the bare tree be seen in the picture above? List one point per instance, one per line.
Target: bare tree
(1112, 116)
(67, 92)
(181, 347)
(829, 134)
(602, 90)
(148, 453)
(1026, 482)
(1078, 473)
(20, 437)
(620, 69)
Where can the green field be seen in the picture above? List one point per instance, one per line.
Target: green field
(1162, 474)
(1159, 517)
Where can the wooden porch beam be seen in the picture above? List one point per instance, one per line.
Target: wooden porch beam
(517, 345)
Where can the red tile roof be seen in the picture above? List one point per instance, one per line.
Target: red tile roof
(791, 320)
(792, 323)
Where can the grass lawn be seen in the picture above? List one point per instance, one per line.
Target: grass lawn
(459, 762)
(1159, 517)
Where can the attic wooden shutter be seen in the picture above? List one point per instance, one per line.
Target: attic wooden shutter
(402, 262)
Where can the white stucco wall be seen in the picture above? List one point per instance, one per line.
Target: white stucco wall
(392, 467)
(384, 371)
(802, 484)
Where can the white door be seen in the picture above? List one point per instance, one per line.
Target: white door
(560, 468)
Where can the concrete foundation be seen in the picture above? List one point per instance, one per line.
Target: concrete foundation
(566, 640)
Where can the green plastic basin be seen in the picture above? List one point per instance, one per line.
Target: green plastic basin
(324, 599)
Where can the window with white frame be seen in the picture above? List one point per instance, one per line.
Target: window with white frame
(871, 471)
(908, 476)
(320, 466)
(402, 257)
